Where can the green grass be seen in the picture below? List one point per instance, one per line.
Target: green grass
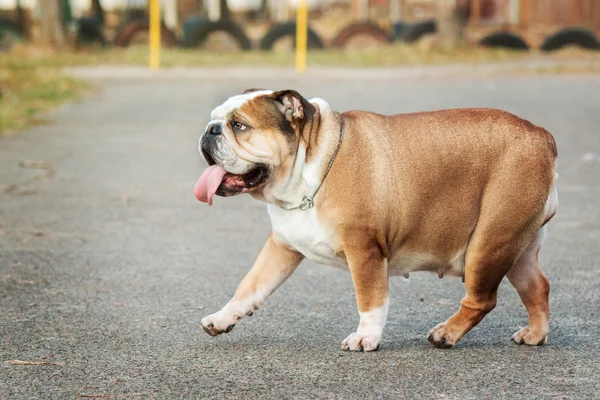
(27, 89)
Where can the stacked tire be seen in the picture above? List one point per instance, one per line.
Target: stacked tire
(288, 30)
(414, 32)
(126, 35)
(579, 37)
(9, 34)
(198, 30)
(358, 29)
(505, 40)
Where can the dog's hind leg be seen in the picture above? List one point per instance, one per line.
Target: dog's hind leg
(532, 285)
(484, 269)
(506, 227)
(533, 288)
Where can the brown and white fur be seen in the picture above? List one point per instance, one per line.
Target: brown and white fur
(459, 192)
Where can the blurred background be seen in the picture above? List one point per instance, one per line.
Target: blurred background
(261, 24)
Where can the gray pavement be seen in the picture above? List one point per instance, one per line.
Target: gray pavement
(108, 264)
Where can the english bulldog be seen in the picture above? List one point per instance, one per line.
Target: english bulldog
(458, 192)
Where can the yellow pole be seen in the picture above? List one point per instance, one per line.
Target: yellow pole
(154, 34)
(301, 35)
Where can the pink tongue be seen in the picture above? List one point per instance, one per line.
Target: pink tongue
(208, 183)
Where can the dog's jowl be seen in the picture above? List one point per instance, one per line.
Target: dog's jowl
(460, 192)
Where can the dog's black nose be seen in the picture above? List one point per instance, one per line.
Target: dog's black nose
(215, 129)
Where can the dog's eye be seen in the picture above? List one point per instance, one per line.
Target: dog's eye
(239, 126)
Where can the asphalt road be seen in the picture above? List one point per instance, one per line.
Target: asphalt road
(108, 264)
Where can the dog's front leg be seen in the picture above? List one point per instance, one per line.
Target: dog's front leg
(370, 276)
(274, 265)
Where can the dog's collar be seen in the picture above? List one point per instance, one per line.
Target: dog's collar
(308, 202)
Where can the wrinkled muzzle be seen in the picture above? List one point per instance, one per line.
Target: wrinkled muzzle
(227, 174)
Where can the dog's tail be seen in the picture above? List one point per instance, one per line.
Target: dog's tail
(551, 205)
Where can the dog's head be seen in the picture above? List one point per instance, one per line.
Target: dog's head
(251, 140)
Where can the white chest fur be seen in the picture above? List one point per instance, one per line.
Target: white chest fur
(302, 231)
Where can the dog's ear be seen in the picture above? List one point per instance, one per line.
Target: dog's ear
(252, 90)
(293, 106)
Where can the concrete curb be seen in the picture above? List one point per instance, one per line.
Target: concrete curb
(329, 73)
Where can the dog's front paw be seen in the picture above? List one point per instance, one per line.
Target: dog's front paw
(218, 323)
(361, 342)
(529, 337)
(442, 337)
